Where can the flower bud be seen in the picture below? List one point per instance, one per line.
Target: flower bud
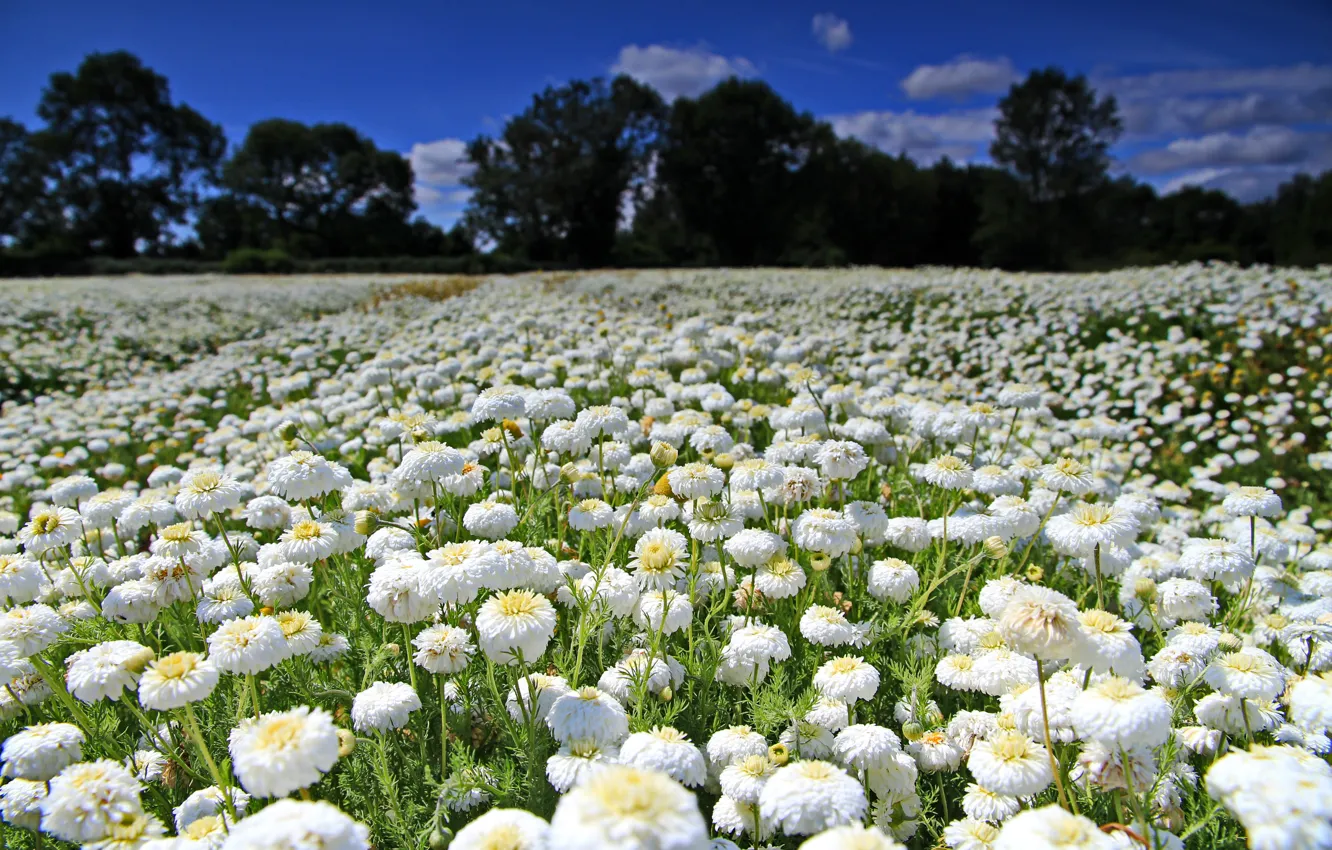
(665, 694)
(1144, 589)
(286, 431)
(420, 435)
(364, 523)
(569, 474)
(513, 429)
(912, 731)
(723, 461)
(819, 562)
(857, 546)
(779, 754)
(346, 743)
(1034, 573)
(995, 548)
(392, 650)
(663, 454)
(440, 838)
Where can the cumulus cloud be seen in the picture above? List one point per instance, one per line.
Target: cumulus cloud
(442, 162)
(961, 134)
(439, 168)
(1243, 184)
(1182, 116)
(679, 73)
(963, 76)
(1304, 77)
(832, 32)
(1264, 145)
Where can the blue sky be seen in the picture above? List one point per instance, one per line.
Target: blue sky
(1235, 94)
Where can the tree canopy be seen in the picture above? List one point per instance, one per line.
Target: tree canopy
(605, 172)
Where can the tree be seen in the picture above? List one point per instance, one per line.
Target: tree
(733, 161)
(554, 185)
(1053, 134)
(321, 190)
(22, 183)
(128, 163)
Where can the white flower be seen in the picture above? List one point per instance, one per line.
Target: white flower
(40, 752)
(659, 558)
(20, 803)
(248, 645)
(518, 623)
(588, 714)
(824, 626)
(86, 801)
(1040, 621)
(1010, 763)
(1051, 828)
(49, 529)
(510, 829)
(847, 678)
(864, 746)
(667, 750)
(32, 628)
(852, 836)
(206, 492)
(892, 579)
(302, 476)
(297, 825)
(106, 670)
(805, 797)
(625, 808)
(576, 761)
(734, 743)
(754, 547)
(825, 531)
(841, 459)
(283, 751)
(443, 649)
(384, 705)
(176, 679)
(1252, 501)
(743, 780)
(491, 520)
(1120, 713)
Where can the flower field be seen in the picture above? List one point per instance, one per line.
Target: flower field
(668, 561)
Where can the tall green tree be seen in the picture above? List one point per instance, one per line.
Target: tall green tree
(555, 184)
(1053, 134)
(128, 163)
(734, 161)
(313, 190)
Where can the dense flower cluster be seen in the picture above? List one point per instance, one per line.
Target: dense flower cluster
(670, 562)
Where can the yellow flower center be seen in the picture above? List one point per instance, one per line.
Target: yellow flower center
(306, 529)
(518, 603)
(45, 523)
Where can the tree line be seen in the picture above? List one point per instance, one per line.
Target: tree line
(597, 173)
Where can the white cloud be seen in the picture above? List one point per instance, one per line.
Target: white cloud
(1244, 184)
(1197, 115)
(1304, 77)
(442, 162)
(679, 73)
(1264, 145)
(965, 75)
(832, 32)
(439, 168)
(961, 134)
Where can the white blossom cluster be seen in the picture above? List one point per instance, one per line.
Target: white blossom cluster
(669, 561)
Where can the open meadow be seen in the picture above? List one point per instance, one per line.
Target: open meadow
(668, 561)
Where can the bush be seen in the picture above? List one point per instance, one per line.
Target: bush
(258, 261)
